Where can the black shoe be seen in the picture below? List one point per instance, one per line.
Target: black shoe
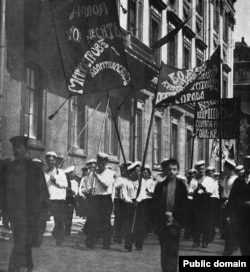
(196, 245)
(139, 248)
(128, 248)
(89, 245)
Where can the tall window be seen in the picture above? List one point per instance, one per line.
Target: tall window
(157, 141)
(186, 53)
(111, 139)
(189, 141)
(77, 122)
(242, 74)
(155, 34)
(133, 16)
(172, 48)
(199, 57)
(173, 4)
(225, 27)
(224, 91)
(216, 15)
(33, 104)
(174, 141)
(199, 6)
(201, 153)
(139, 127)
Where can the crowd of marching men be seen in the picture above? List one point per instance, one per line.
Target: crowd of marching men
(101, 191)
(140, 201)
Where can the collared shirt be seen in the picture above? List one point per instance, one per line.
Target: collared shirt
(87, 183)
(104, 182)
(191, 186)
(57, 188)
(130, 188)
(118, 186)
(150, 187)
(171, 188)
(227, 184)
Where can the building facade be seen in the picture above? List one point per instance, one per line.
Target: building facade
(33, 85)
(242, 88)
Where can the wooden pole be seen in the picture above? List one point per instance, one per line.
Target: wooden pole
(220, 89)
(103, 124)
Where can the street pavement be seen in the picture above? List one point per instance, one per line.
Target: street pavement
(73, 256)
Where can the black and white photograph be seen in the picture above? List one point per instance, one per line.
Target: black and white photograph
(124, 135)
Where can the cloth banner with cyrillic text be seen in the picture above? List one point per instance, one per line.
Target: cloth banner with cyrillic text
(91, 44)
(208, 123)
(177, 86)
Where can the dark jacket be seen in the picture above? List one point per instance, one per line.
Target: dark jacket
(180, 204)
(23, 189)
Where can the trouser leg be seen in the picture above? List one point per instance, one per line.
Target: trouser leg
(21, 255)
(128, 220)
(140, 225)
(58, 210)
(105, 217)
(69, 210)
(169, 241)
(197, 228)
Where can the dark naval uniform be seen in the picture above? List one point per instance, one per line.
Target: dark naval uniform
(23, 198)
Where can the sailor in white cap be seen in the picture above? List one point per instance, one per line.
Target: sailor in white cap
(102, 203)
(91, 164)
(133, 199)
(150, 184)
(163, 175)
(119, 203)
(205, 187)
(240, 170)
(57, 185)
(227, 184)
(210, 170)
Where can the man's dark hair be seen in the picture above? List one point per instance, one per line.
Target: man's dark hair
(173, 162)
(229, 166)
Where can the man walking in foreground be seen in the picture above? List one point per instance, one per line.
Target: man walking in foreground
(23, 199)
(169, 200)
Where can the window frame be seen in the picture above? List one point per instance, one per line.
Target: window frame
(157, 134)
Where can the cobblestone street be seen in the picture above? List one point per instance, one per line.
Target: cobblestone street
(74, 256)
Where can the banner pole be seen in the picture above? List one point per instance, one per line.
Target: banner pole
(103, 124)
(118, 136)
(85, 125)
(194, 136)
(146, 149)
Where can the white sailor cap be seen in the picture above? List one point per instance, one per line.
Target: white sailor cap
(216, 174)
(134, 165)
(230, 162)
(210, 168)
(102, 155)
(239, 167)
(164, 161)
(199, 163)
(91, 161)
(146, 166)
(37, 160)
(70, 169)
(109, 167)
(51, 154)
(192, 171)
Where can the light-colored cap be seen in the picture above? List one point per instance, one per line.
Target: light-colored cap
(164, 160)
(36, 160)
(134, 165)
(109, 167)
(199, 163)
(192, 171)
(102, 155)
(70, 169)
(91, 161)
(230, 162)
(147, 167)
(239, 167)
(216, 174)
(210, 168)
(51, 154)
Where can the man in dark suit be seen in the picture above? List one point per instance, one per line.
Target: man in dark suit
(169, 200)
(23, 198)
(239, 210)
